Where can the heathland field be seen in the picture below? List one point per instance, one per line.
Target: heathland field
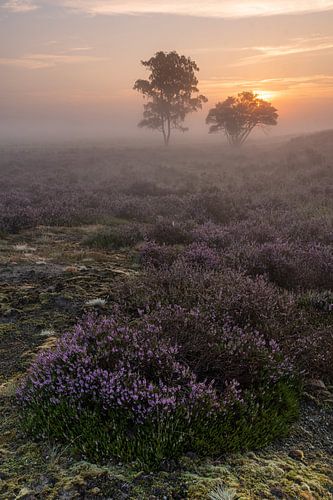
(166, 321)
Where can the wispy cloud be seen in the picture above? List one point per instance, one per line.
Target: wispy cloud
(80, 49)
(211, 8)
(207, 8)
(295, 46)
(222, 87)
(40, 61)
(20, 6)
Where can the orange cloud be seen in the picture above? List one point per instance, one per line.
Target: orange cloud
(319, 85)
(295, 46)
(40, 61)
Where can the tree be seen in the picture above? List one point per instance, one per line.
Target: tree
(172, 92)
(238, 116)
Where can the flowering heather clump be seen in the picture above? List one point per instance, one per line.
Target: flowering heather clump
(127, 378)
(232, 352)
(314, 350)
(130, 207)
(170, 232)
(217, 206)
(201, 255)
(116, 367)
(291, 266)
(16, 213)
(226, 292)
(122, 373)
(212, 234)
(155, 255)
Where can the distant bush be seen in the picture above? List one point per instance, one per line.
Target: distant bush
(145, 188)
(156, 255)
(121, 236)
(201, 255)
(211, 234)
(170, 232)
(16, 213)
(217, 206)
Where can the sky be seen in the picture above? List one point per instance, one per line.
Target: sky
(67, 67)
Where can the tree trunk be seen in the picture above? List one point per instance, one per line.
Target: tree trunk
(168, 132)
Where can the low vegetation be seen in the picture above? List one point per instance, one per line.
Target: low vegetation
(206, 346)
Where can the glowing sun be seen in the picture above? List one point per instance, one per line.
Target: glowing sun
(266, 95)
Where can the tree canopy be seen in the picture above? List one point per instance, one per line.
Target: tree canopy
(171, 91)
(238, 116)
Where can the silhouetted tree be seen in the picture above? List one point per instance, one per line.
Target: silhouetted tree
(171, 90)
(238, 116)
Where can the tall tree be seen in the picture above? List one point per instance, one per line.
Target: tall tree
(238, 116)
(171, 91)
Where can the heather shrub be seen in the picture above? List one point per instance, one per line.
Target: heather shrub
(145, 188)
(246, 300)
(231, 352)
(155, 255)
(117, 388)
(211, 234)
(291, 266)
(131, 207)
(313, 348)
(201, 255)
(170, 232)
(319, 301)
(16, 213)
(120, 236)
(217, 206)
(124, 377)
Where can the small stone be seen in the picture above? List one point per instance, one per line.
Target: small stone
(297, 455)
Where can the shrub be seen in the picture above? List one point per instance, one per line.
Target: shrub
(121, 236)
(16, 213)
(169, 232)
(319, 301)
(313, 349)
(217, 206)
(215, 348)
(226, 292)
(212, 234)
(145, 188)
(291, 266)
(201, 255)
(124, 377)
(155, 255)
(118, 388)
